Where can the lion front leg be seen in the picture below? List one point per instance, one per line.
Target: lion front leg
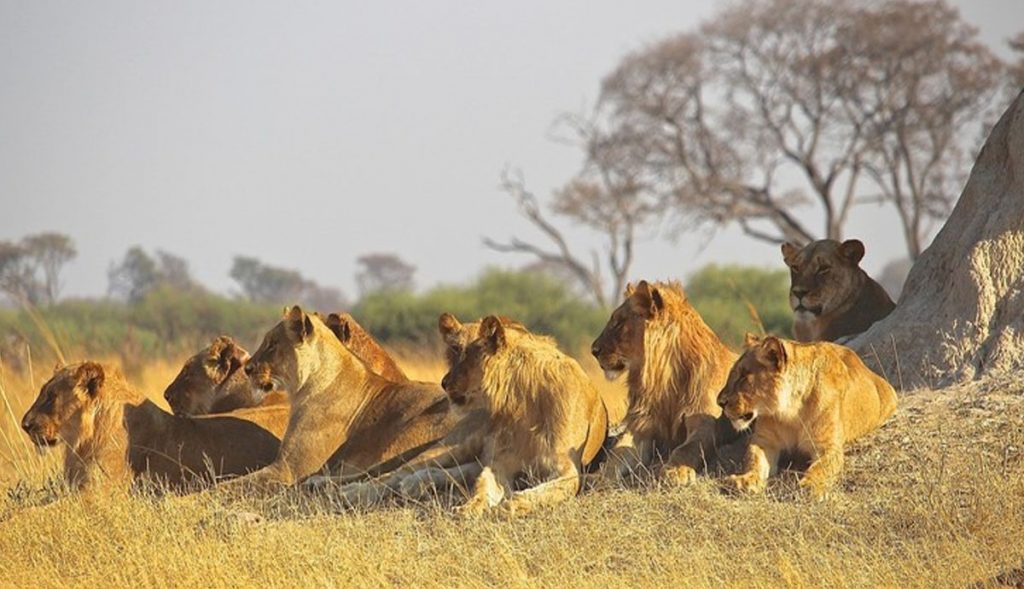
(823, 472)
(627, 459)
(419, 484)
(490, 489)
(564, 485)
(760, 462)
(684, 462)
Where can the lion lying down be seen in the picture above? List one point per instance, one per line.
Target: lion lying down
(212, 381)
(114, 434)
(808, 399)
(545, 423)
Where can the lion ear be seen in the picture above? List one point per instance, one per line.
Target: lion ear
(493, 331)
(852, 250)
(90, 376)
(630, 289)
(298, 324)
(647, 299)
(751, 340)
(340, 326)
(449, 328)
(789, 252)
(771, 352)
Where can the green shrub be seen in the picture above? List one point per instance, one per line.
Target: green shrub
(728, 297)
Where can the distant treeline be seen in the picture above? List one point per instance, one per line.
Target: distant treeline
(169, 322)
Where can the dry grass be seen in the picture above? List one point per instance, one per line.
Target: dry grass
(935, 499)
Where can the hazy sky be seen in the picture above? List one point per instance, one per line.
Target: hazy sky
(308, 133)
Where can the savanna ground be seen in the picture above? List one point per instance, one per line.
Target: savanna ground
(934, 499)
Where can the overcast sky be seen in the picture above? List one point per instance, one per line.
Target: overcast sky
(308, 133)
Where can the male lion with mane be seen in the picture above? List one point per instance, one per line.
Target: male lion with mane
(832, 297)
(344, 416)
(675, 366)
(546, 419)
(808, 399)
(114, 434)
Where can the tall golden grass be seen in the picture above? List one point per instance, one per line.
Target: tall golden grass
(934, 499)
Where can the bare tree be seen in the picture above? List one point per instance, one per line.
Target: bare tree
(384, 272)
(761, 112)
(917, 76)
(611, 196)
(49, 253)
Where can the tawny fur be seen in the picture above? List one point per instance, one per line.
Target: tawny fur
(546, 419)
(344, 416)
(832, 297)
(113, 434)
(362, 344)
(808, 399)
(212, 381)
(676, 365)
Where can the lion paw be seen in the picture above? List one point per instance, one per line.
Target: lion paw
(814, 489)
(744, 483)
(680, 475)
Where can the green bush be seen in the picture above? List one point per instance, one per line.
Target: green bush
(540, 302)
(728, 297)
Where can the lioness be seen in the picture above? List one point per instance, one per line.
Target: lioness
(546, 419)
(831, 296)
(362, 344)
(114, 434)
(675, 366)
(809, 399)
(212, 381)
(343, 414)
(453, 460)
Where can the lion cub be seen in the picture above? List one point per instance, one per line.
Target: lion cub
(546, 419)
(811, 399)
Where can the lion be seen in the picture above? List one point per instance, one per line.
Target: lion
(113, 434)
(546, 421)
(452, 461)
(809, 399)
(345, 417)
(675, 365)
(363, 345)
(212, 381)
(831, 296)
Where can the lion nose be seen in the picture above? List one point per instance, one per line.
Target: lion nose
(595, 350)
(26, 424)
(799, 292)
(446, 382)
(248, 369)
(167, 396)
(721, 402)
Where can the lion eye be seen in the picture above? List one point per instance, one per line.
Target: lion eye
(823, 270)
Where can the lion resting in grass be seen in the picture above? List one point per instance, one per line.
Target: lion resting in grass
(114, 434)
(546, 420)
(808, 399)
(676, 365)
(343, 415)
(212, 381)
(363, 345)
(452, 461)
(831, 296)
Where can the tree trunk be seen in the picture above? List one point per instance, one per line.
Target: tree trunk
(961, 313)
